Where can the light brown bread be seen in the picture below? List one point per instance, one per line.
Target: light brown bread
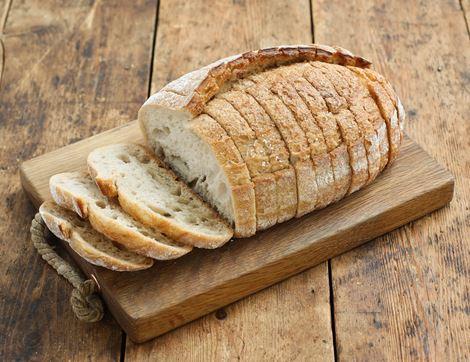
(295, 140)
(94, 247)
(285, 195)
(345, 120)
(324, 120)
(387, 109)
(339, 142)
(255, 156)
(286, 179)
(374, 76)
(152, 194)
(369, 120)
(288, 83)
(340, 156)
(349, 92)
(76, 191)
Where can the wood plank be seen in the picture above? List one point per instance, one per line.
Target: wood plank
(465, 5)
(65, 65)
(205, 31)
(172, 293)
(406, 296)
(241, 332)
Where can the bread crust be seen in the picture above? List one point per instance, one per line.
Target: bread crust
(310, 91)
(295, 140)
(326, 124)
(91, 208)
(198, 87)
(388, 111)
(227, 154)
(285, 197)
(374, 76)
(275, 81)
(350, 132)
(299, 95)
(254, 155)
(68, 227)
(369, 120)
(347, 89)
(278, 156)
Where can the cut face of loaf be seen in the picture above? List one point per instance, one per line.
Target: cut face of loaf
(214, 127)
(94, 247)
(77, 192)
(152, 194)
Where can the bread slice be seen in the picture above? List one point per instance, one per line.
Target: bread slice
(324, 120)
(92, 246)
(241, 207)
(277, 80)
(327, 121)
(295, 140)
(364, 107)
(349, 131)
(350, 91)
(255, 156)
(76, 191)
(376, 77)
(387, 109)
(151, 193)
(357, 151)
(319, 124)
(285, 195)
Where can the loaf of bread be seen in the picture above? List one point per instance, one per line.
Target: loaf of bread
(276, 133)
(263, 137)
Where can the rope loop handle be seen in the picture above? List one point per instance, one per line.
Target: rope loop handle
(85, 301)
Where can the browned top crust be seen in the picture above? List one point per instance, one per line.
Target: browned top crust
(192, 91)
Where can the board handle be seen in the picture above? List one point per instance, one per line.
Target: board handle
(85, 301)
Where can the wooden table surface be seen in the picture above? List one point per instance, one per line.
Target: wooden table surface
(71, 69)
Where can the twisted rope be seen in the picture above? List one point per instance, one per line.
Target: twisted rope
(86, 304)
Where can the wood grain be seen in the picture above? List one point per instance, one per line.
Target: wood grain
(267, 333)
(406, 296)
(71, 70)
(154, 301)
(421, 50)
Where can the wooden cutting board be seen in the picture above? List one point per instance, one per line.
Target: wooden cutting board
(151, 302)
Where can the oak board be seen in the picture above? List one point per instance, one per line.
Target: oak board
(151, 302)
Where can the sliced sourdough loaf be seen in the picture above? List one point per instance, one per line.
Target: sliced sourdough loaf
(76, 191)
(176, 126)
(94, 247)
(152, 194)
